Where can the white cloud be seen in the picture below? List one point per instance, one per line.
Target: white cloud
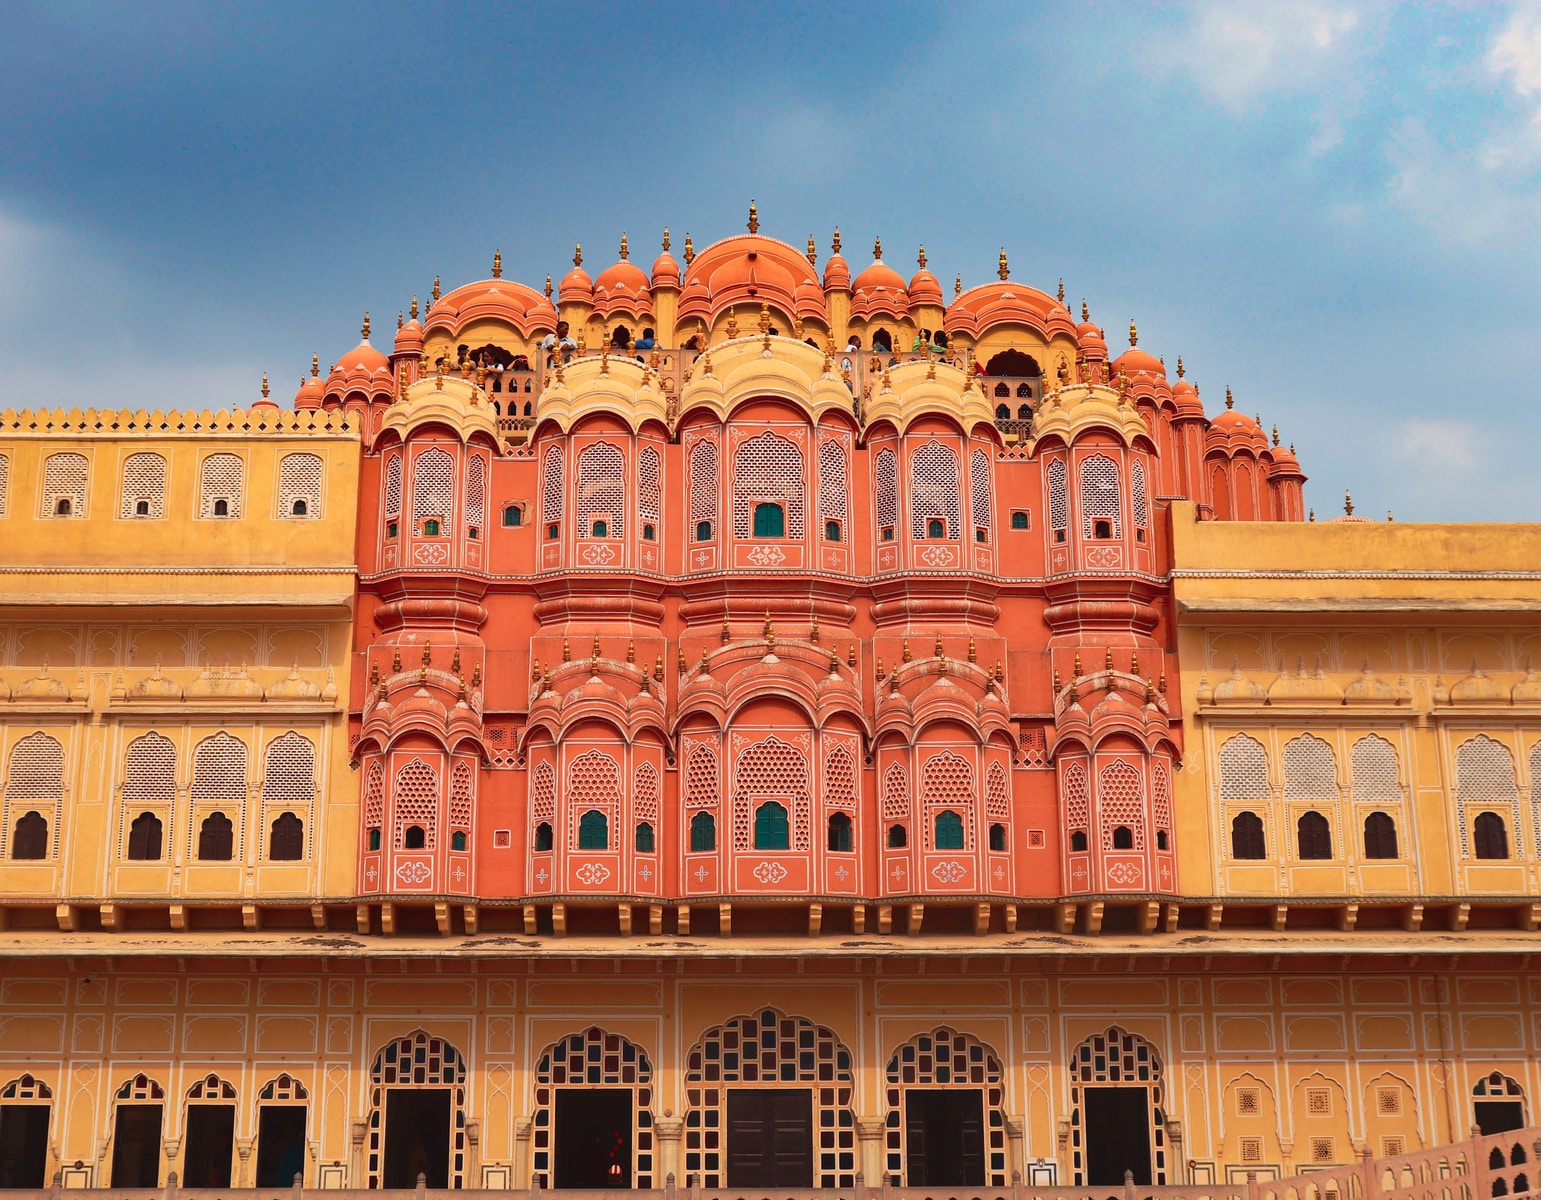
(1438, 443)
(1516, 51)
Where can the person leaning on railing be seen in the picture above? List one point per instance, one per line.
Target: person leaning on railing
(569, 347)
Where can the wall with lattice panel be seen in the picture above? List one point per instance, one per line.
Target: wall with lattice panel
(543, 792)
(649, 485)
(415, 791)
(1121, 804)
(144, 483)
(980, 515)
(896, 793)
(553, 486)
(646, 794)
(703, 484)
(1059, 494)
(149, 784)
(771, 769)
(1161, 795)
(65, 477)
(393, 487)
(1139, 500)
(300, 478)
(947, 784)
(34, 782)
(219, 784)
(462, 794)
(1076, 791)
(433, 490)
(768, 468)
(702, 783)
(997, 794)
(374, 796)
(476, 492)
(593, 785)
(885, 475)
(1485, 782)
(832, 482)
(5, 485)
(221, 486)
(1100, 496)
(944, 1058)
(841, 779)
(934, 490)
(601, 492)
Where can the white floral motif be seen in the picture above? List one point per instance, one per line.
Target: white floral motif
(1105, 556)
(411, 874)
(1125, 873)
(703, 557)
(432, 552)
(767, 556)
(937, 556)
(595, 553)
(770, 872)
(590, 874)
(949, 872)
(886, 559)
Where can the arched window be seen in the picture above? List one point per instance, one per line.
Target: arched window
(771, 831)
(216, 838)
(1123, 837)
(415, 837)
(287, 842)
(703, 832)
(374, 839)
(768, 468)
(457, 840)
(299, 485)
(1019, 519)
(543, 839)
(30, 840)
(839, 832)
(64, 485)
(1313, 836)
(552, 491)
(513, 516)
(979, 493)
(593, 831)
(1380, 836)
(1490, 836)
(1078, 840)
(433, 491)
(832, 489)
(601, 491)
(144, 486)
(1100, 502)
(949, 830)
(769, 521)
(1059, 499)
(644, 838)
(144, 838)
(934, 493)
(703, 489)
(1485, 783)
(885, 475)
(997, 837)
(898, 839)
(1247, 836)
(220, 493)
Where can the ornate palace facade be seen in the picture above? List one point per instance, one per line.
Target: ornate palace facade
(774, 729)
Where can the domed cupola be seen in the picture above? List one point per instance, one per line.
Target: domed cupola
(576, 286)
(1186, 396)
(879, 289)
(1089, 336)
(837, 272)
(409, 336)
(312, 391)
(622, 287)
(924, 287)
(1135, 362)
(666, 272)
(267, 403)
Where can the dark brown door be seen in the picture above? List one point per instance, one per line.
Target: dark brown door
(944, 1137)
(593, 1138)
(1499, 1116)
(136, 1146)
(416, 1137)
(280, 1144)
(770, 1138)
(1117, 1129)
(23, 1145)
(210, 1144)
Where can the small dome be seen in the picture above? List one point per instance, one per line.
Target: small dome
(266, 403)
(1186, 397)
(576, 286)
(749, 270)
(1135, 362)
(924, 287)
(312, 392)
(363, 368)
(623, 286)
(1092, 343)
(879, 276)
(1005, 302)
(1284, 462)
(666, 272)
(409, 338)
(363, 357)
(879, 288)
(498, 299)
(837, 274)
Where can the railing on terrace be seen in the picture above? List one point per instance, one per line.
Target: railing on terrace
(1482, 1168)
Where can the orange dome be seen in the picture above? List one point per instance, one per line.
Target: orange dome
(312, 391)
(365, 358)
(1234, 430)
(982, 308)
(491, 300)
(409, 338)
(361, 369)
(1186, 397)
(879, 289)
(1135, 362)
(623, 287)
(837, 274)
(750, 269)
(925, 288)
(666, 272)
(576, 286)
(1284, 463)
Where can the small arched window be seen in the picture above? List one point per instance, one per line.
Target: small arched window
(998, 837)
(1003, 412)
(457, 840)
(1078, 840)
(1491, 836)
(144, 838)
(543, 839)
(286, 842)
(31, 837)
(1247, 836)
(141, 508)
(1380, 836)
(415, 838)
(770, 827)
(62, 509)
(1019, 520)
(839, 832)
(644, 838)
(593, 831)
(703, 832)
(513, 516)
(1313, 836)
(949, 831)
(299, 508)
(1123, 837)
(831, 531)
(374, 839)
(769, 521)
(216, 838)
(430, 528)
(897, 837)
(221, 507)
(703, 531)
(601, 529)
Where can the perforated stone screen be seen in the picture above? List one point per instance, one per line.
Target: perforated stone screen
(934, 489)
(601, 489)
(299, 486)
(144, 481)
(1099, 495)
(433, 490)
(768, 468)
(222, 480)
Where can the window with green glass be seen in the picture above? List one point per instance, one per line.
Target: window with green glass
(770, 520)
(644, 838)
(949, 831)
(703, 832)
(770, 827)
(593, 831)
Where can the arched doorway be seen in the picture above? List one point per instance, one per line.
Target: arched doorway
(1116, 1119)
(1498, 1104)
(946, 1125)
(593, 1123)
(25, 1106)
(417, 1118)
(770, 1105)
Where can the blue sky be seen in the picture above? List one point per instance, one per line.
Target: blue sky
(1334, 208)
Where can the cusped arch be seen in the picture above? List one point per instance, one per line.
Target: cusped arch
(590, 1058)
(945, 1058)
(1118, 1057)
(417, 1059)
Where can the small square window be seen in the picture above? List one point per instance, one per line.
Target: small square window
(936, 528)
(980, 535)
(831, 531)
(513, 516)
(392, 529)
(601, 529)
(1059, 535)
(1102, 529)
(703, 531)
(888, 533)
(1139, 535)
(551, 532)
(1036, 839)
(430, 527)
(472, 532)
(1021, 520)
(502, 839)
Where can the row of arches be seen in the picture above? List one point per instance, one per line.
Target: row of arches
(221, 486)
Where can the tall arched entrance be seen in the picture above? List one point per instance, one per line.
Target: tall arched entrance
(593, 1113)
(770, 1105)
(946, 1124)
(417, 1114)
(1116, 1119)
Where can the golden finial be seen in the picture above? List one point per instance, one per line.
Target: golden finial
(1002, 269)
(578, 254)
(878, 672)
(604, 357)
(497, 264)
(930, 364)
(732, 326)
(957, 287)
(727, 632)
(454, 663)
(315, 365)
(706, 668)
(906, 649)
(428, 654)
(1086, 313)
(1275, 435)
(1000, 675)
(1348, 504)
(835, 245)
(396, 661)
(1180, 371)
(625, 249)
(1292, 447)
(265, 388)
(658, 668)
(1078, 671)
(813, 251)
(1060, 295)
(1389, 517)
(438, 379)
(850, 655)
(567, 651)
(1312, 515)
(764, 323)
(921, 257)
(399, 321)
(666, 239)
(938, 650)
(364, 331)
(973, 654)
(1134, 662)
(413, 310)
(754, 218)
(1230, 401)
(548, 285)
(813, 631)
(767, 630)
(877, 248)
(1134, 334)
(1108, 665)
(690, 250)
(834, 662)
(436, 292)
(1058, 684)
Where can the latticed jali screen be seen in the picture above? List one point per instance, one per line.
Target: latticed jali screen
(594, 1058)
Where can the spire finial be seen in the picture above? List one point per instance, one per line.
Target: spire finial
(813, 251)
(1275, 435)
(578, 254)
(1230, 401)
(1348, 504)
(364, 331)
(1086, 313)
(436, 292)
(957, 286)
(399, 320)
(921, 257)
(548, 285)
(877, 248)
(265, 388)
(497, 264)
(1002, 269)
(690, 250)
(1134, 334)
(1060, 295)
(1180, 371)
(754, 217)
(625, 249)
(413, 309)
(315, 365)
(666, 239)
(835, 245)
